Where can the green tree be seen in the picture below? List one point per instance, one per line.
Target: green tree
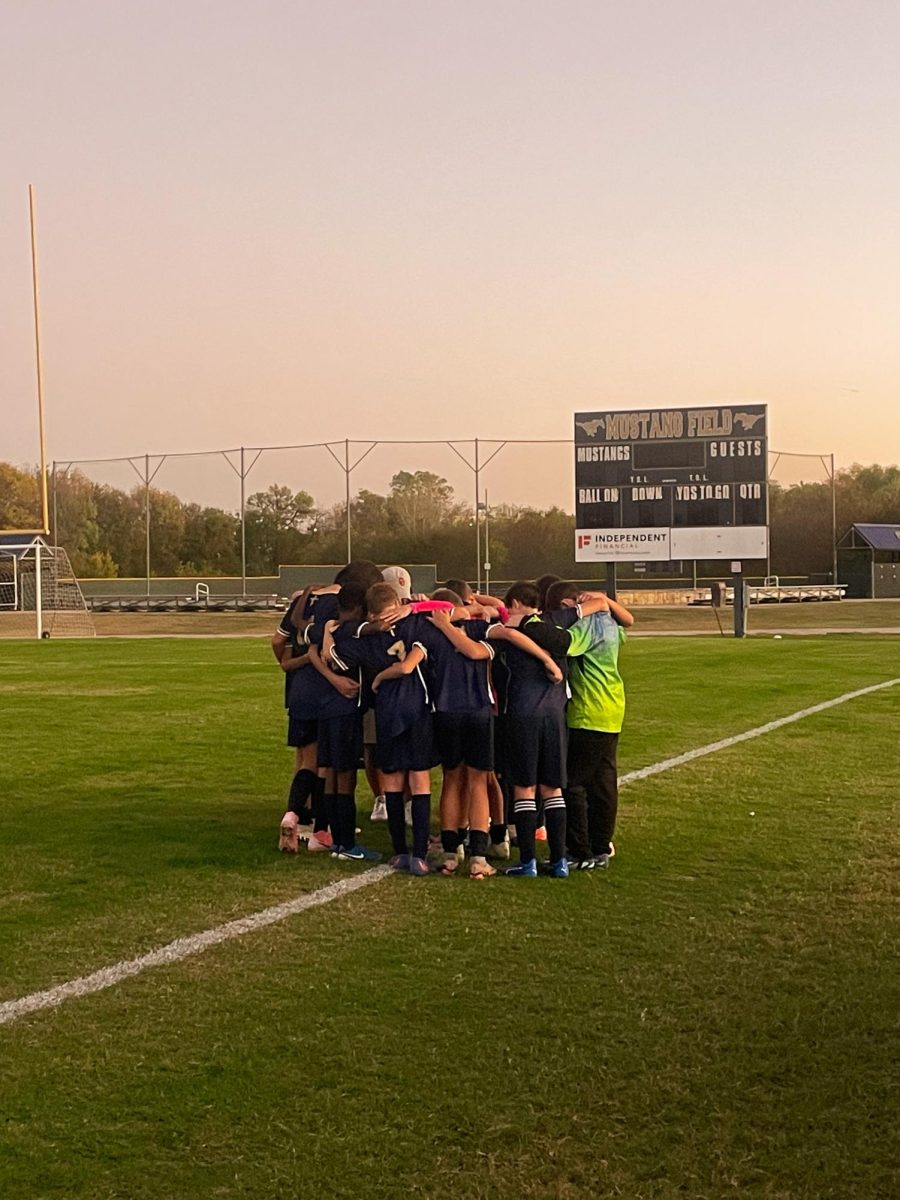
(278, 528)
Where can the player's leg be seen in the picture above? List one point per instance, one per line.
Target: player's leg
(323, 808)
(448, 743)
(393, 783)
(551, 790)
(603, 797)
(499, 838)
(579, 768)
(296, 824)
(479, 759)
(370, 761)
(347, 737)
(420, 789)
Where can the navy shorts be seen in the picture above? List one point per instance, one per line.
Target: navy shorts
(411, 750)
(535, 750)
(301, 732)
(340, 742)
(465, 739)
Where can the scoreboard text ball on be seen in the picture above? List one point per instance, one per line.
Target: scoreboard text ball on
(671, 483)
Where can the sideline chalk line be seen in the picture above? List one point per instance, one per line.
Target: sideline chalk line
(185, 947)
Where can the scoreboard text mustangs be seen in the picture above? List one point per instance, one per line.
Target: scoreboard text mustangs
(689, 491)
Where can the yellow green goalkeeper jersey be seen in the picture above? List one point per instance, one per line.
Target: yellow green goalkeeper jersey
(598, 693)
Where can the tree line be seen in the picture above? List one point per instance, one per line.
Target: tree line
(419, 519)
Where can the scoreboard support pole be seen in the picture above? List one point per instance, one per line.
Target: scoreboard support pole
(611, 580)
(740, 601)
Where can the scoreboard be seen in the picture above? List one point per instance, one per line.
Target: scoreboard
(671, 483)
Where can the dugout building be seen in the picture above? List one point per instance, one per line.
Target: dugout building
(868, 558)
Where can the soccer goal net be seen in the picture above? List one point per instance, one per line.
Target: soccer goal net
(38, 578)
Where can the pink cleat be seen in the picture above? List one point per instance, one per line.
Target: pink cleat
(289, 837)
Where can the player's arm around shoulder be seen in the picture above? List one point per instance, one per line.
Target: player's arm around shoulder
(459, 638)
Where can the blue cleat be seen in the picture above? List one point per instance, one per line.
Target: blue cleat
(358, 854)
(560, 870)
(400, 862)
(525, 870)
(418, 866)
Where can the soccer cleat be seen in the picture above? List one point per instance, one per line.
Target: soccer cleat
(449, 864)
(540, 834)
(320, 841)
(288, 838)
(560, 869)
(581, 864)
(525, 870)
(379, 809)
(499, 849)
(418, 866)
(357, 854)
(600, 862)
(480, 868)
(400, 862)
(461, 852)
(407, 813)
(304, 832)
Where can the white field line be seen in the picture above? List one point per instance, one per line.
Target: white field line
(11, 1010)
(184, 947)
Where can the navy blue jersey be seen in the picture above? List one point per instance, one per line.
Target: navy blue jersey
(399, 703)
(321, 609)
(305, 692)
(319, 698)
(458, 684)
(286, 628)
(529, 690)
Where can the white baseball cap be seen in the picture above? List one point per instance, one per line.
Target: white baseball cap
(398, 578)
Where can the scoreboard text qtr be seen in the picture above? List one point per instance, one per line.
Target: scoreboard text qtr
(671, 483)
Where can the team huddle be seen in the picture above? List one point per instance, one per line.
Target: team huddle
(519, 701)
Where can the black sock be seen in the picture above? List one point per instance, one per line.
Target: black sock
(421, 825)
(555, 819)
(498, 833)
(397, 821)
(478, 843)
(461, 835)
(321, 810)
(345, 820)
(449, 841)
(526, 824)
(302, 787)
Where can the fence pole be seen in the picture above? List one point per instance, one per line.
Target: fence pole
(477, 520)
(834, 564)
(53, 485)
(243, 528)
(347, 496)
(147, 516)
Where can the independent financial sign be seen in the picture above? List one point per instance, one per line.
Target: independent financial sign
(671, 483)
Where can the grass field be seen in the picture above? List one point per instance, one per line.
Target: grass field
(714, 1016)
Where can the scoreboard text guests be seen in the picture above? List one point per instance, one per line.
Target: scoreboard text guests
(671, 483)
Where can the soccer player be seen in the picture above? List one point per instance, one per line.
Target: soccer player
(594, 717)
(391, 655)
(534, 724)
(458, 656)
(340, 730)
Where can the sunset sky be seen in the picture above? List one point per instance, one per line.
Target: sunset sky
(295, 222)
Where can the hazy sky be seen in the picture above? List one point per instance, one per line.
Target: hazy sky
(289, 222)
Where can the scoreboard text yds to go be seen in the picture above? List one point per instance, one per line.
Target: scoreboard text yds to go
(663, 484)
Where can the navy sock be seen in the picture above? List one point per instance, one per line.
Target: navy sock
(526, 824)
(498, 833)
(555, 819)
(449, 841)
(321, 810)
(396, 821)
(461, 835)
(421, 824)
(302, 787)
(344, 824)
(478, 842)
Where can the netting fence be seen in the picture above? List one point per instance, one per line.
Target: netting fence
(485, 478)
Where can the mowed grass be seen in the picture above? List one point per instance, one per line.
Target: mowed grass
(715, 1016)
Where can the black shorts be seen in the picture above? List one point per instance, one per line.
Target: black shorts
(301, 732)
(465, 739)
(411, 750)
(340, 742)
(535, 750)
